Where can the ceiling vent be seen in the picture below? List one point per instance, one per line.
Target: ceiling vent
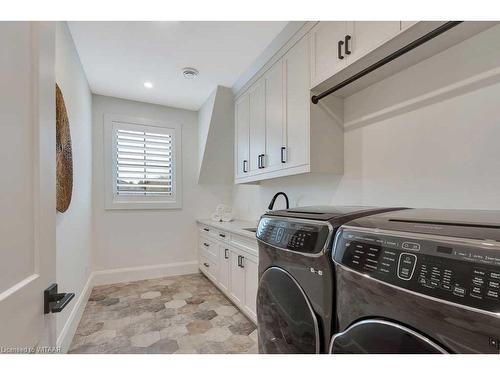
(189, 73)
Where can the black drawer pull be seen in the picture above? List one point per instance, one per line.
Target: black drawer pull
(222, 235)
(206, 229)
(206, 265)
(206, 244)
(226, 255)
(245, 166)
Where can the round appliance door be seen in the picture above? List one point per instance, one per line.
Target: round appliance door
(286, 320)
(375, 336)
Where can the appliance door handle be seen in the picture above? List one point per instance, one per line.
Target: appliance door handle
(347, 39)
(226, 255)
(283, 154)
(339, 49)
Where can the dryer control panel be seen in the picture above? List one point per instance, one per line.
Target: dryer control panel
(466, 272)
(300, 236)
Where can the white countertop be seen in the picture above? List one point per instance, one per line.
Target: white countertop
(235, 226)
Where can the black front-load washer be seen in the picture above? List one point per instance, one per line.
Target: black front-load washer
(295, 297)
(418, 281)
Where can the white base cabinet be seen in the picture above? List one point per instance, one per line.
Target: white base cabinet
(230, 261)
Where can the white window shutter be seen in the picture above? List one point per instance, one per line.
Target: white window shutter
(144, 163)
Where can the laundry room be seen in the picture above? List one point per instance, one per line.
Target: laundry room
(225, 187)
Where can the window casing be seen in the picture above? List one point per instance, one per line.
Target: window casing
(143, 164)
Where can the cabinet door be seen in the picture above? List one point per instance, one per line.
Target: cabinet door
(251, 268)
(237, 279)
(325, 61)
(242, 116)
(297, 112)
(274, 117)
(257, 125)
(368, 35)
(224, 268)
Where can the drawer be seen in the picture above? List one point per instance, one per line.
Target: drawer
(208, 267)
(214, 233)
(208, 248)
(222, 235)
(208, 231)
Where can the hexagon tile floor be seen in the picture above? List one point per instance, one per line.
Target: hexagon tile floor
(180, 314)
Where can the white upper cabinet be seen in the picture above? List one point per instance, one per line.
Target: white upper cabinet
(280, 131)
(274, 117)
(337, 44)
(242, 136)
(297, 119)
(257, 127)
(326, 50)
(364, 36)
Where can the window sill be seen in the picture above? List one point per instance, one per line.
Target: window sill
(143, 205)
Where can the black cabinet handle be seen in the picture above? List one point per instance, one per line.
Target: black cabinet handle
(245, 166)
(347, 39)
(206, 265)
(263, 163)
(222, 235)
(226, 255)
(339, 49)
(205, 244)
(241, 262)
(283, 154)
(259, 162)
(206, 229)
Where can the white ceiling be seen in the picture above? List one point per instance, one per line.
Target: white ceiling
(118, 57)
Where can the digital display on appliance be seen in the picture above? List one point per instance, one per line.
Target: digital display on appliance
(296, 236)
(444, 249)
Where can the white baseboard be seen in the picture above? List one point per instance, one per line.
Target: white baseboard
(66, 336)
(120, 275)
(113, 276)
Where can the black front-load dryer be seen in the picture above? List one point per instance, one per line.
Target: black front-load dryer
(295, 297)
(418, 282)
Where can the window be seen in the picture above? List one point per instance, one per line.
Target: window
(143, 162)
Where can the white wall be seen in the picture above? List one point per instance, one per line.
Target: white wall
(135, 238)
(74, 227)
(439, 150)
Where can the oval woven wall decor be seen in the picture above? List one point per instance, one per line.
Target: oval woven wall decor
(64, 157)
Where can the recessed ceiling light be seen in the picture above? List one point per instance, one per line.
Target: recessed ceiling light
(189, 73)
(148, 85)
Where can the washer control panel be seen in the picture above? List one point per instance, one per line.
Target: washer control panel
(297, 236)
(467, 274)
